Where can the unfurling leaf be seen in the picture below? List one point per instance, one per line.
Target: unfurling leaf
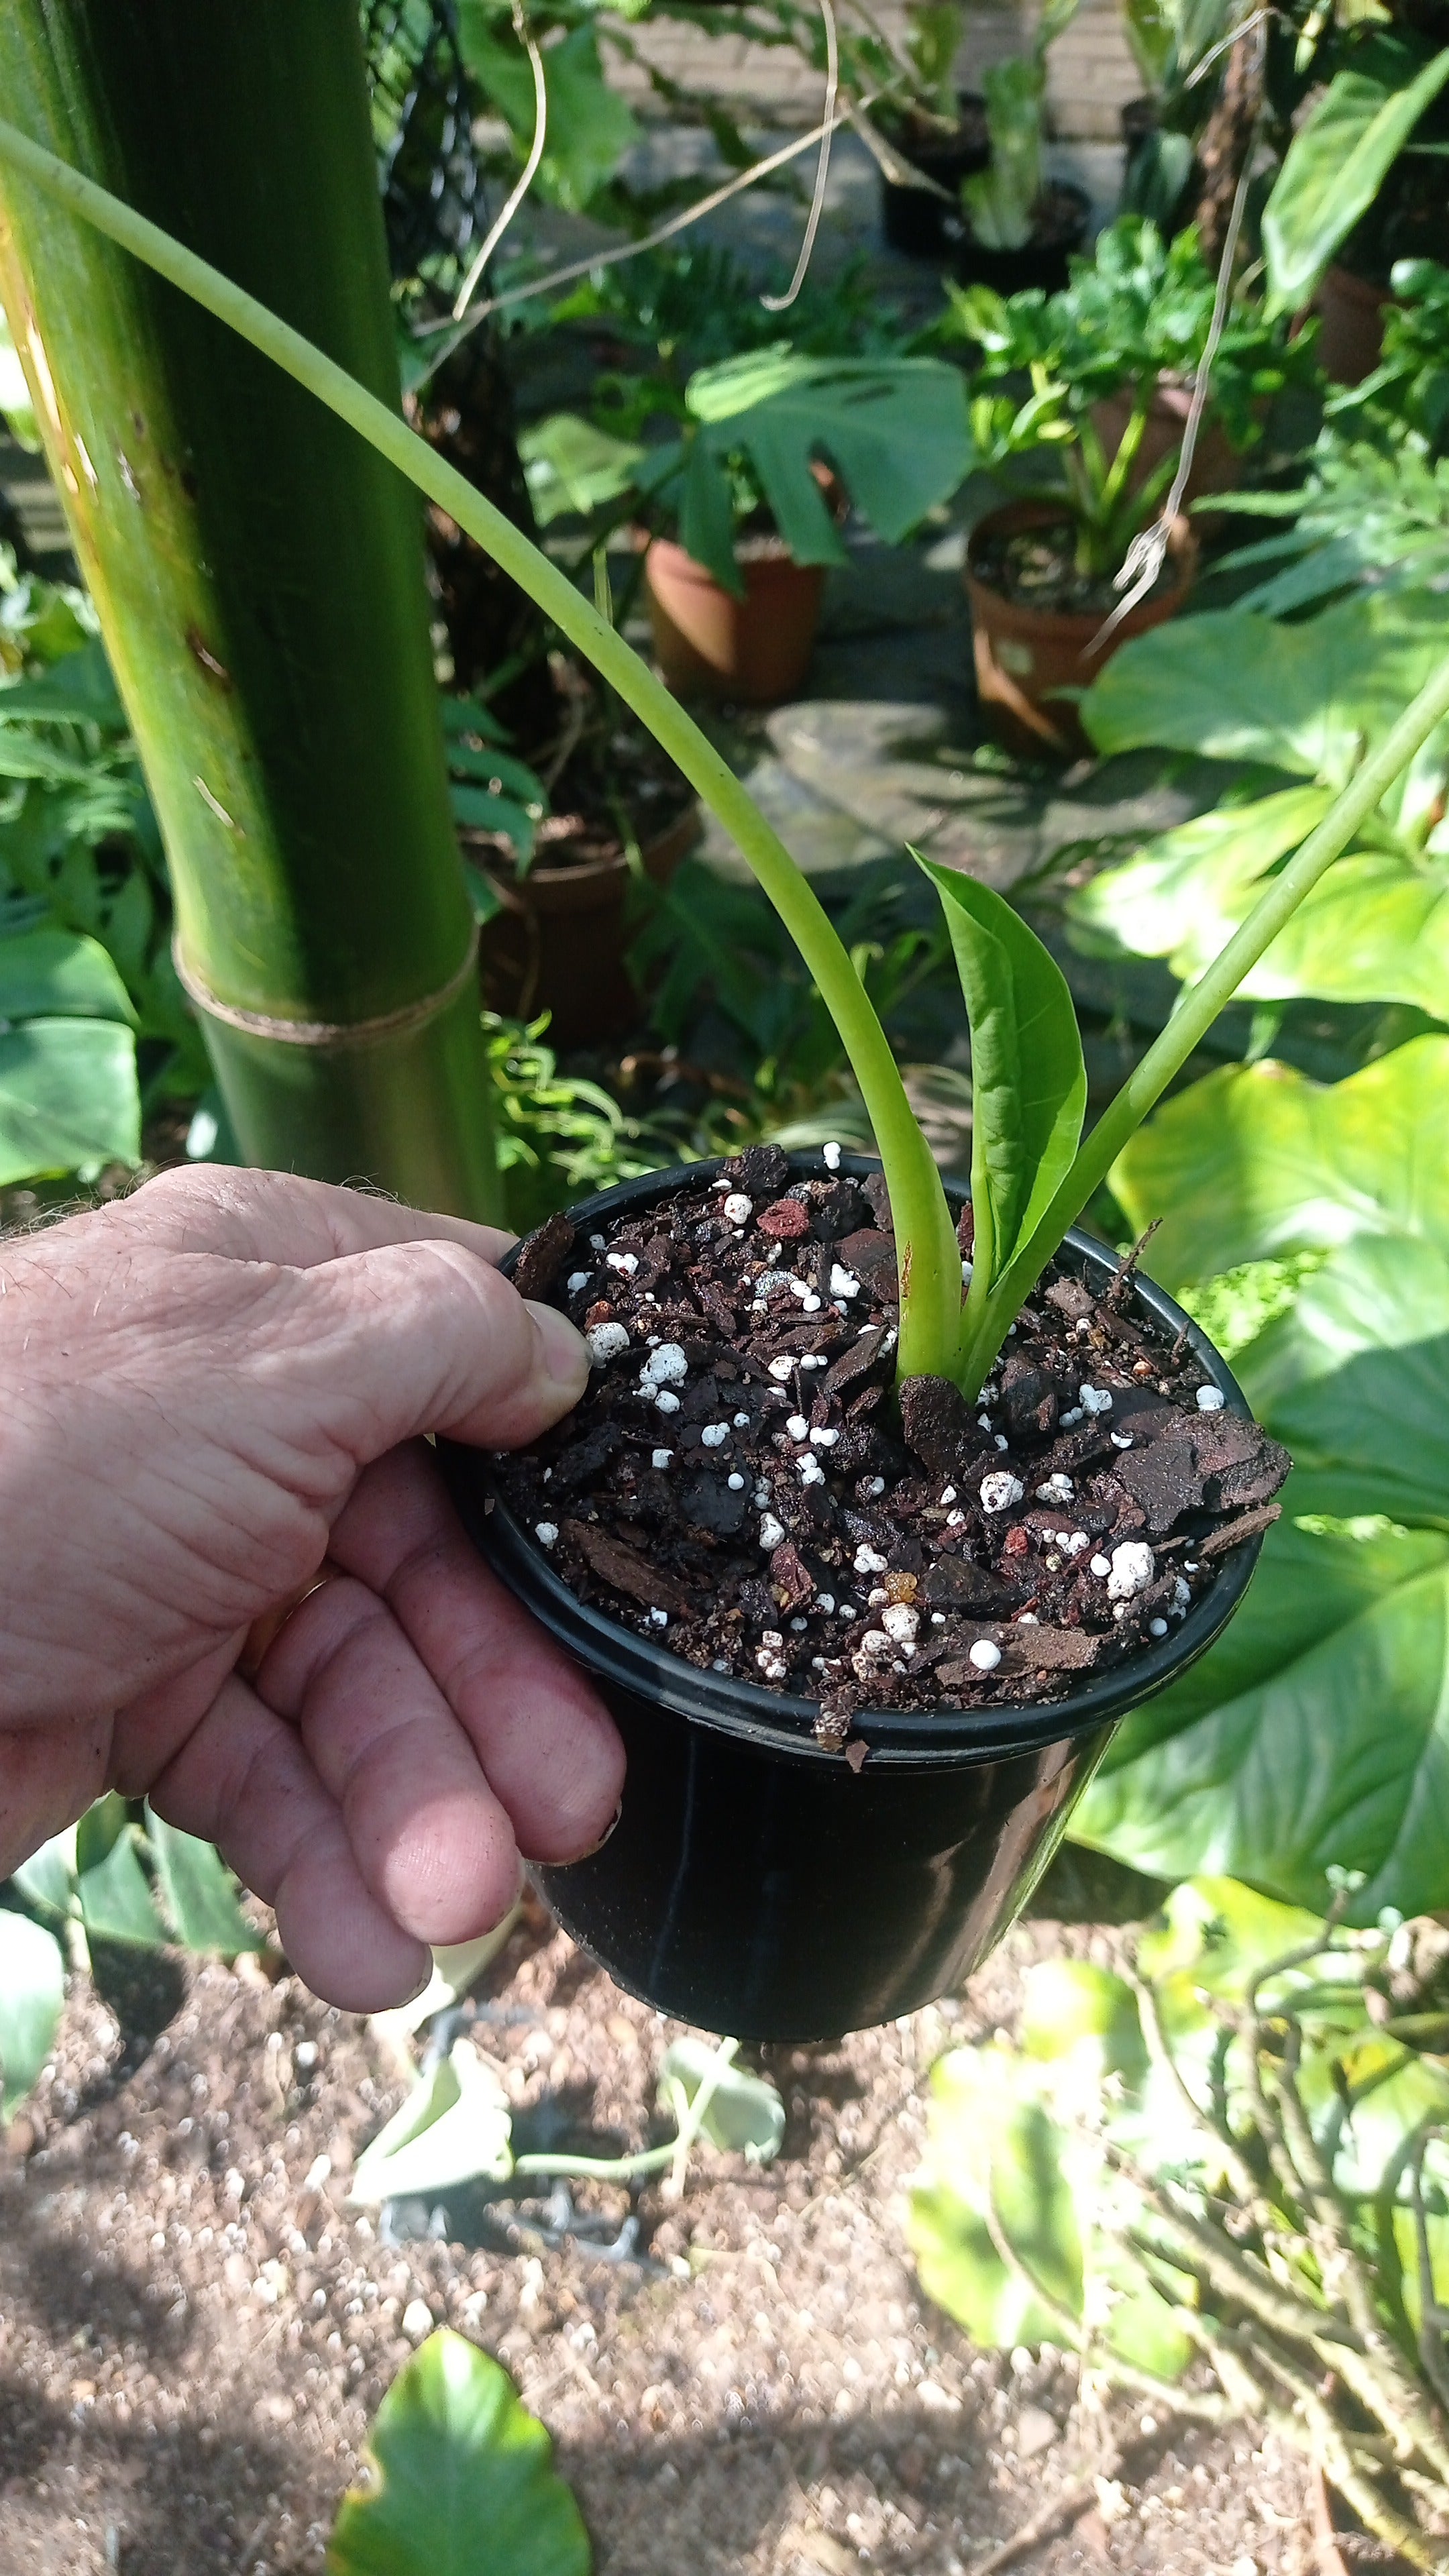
(454, 2127)
(1029, 1084)
(461, 2480)
(745, 2113)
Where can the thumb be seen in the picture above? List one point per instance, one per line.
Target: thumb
(415, 1337)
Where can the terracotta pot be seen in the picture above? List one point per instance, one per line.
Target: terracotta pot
(914, 219)
(1351, 325)
(1024, 655)
(755, 650)
(1216, 467)
(558, 944)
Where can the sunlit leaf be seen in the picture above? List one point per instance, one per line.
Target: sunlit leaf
(32, 1991)
(745, 2113)
(69, 1098)
(199, 1893)
(454, 2127)
(1333, 170)
(459, 2481)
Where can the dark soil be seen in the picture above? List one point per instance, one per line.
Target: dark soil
(609, 785)
(1034, 568)
(740, 1484)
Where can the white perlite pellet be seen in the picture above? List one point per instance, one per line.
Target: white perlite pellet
(830, 1156)
(665, 1400)
(781, 1369)
(715, 1434)
(628, 1262)
(660, 1457)
(606, 1342)
(901, 1622)
(984, 1655)
(736, 1484)
(667, 1366)
(1133, 1567)
(578, 1279)
(659, 1618)
(772, 1533)
(1057, 1489)
(843, 1283)
(810, 1470)
(1095, 1399)
(1101, 1567)
(1210, 1399)
(546, 1533)
(797, 1427)
(741, 1422)
(824, 1438)
(867, 1560)
(737, 1209)
(1000, 1490)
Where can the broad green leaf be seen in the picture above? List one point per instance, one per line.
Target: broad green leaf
(1315, 1735)
(199, 1893)
(895, 430)
(1072, 2008)
(590, 126)
(1257, 1160)
(570, 466)
(1029, 1084)
(57, 974)
(1333, 170)
(112, 1889)
(32, 1991)
(69, 1099)
(1305, 698)
(992, 2147)
(454, 2127)
(745, 2113)
(47, 1879)
(1222, 1935)
(460, 2480)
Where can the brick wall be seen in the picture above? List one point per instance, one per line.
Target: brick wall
(1091, 71)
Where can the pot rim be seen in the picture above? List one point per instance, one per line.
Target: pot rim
(600, 873)
(1077, 624)
(780, 1721)
(1065, 239)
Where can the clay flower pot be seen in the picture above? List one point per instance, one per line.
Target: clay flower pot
(558, 944)
(1216, 466)
(757, 1883)
(1024, 654)
(754, 650)
(1350, 325)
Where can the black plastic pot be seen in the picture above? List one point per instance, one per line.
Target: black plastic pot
(1063, 217)
(755, 1883)
(914, 219)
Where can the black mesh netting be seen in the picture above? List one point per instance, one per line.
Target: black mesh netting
(432, 189)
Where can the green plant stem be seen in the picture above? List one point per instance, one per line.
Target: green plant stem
(1200, 1004)
(599, 2168)
(930, 1262)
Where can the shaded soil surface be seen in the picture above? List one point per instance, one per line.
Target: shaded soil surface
(739, 1484)
(196, 2330)
(1034, 568)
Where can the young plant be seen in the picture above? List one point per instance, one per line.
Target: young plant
(1032, 1172)
(1134, 317)
(1001, 200)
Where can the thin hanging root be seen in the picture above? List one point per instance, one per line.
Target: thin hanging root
(529, 172)
(782, 303)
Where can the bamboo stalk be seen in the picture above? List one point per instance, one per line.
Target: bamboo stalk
(257, 571)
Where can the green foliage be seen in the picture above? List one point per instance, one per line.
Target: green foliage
(1029, 1084)
(1306, 699)
(894, 430)
(559, 1136)
(1135, 314)
(489, 788)
(1000, 200)
(741, 2113)
(459, 2477)
(1315, 1734)
(16, 409)
(1224, 2157)
(32, 1991)
(1334, 168)
(590, 126)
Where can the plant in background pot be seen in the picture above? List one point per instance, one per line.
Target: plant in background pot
(804, 1846)
(1079, 402)
(941, 131)
(1018, 228)
(767, 449)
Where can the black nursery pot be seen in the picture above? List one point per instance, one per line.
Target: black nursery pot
(1042, 262)
(755, 1883)
(914, 220)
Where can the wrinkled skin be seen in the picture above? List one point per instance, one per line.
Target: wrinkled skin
(206, 1390)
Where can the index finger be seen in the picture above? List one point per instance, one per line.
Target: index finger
(277, 1217)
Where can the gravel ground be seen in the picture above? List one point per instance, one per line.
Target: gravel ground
(194, 2330)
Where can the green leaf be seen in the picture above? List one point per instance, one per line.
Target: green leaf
(895, 430)
(1257, 1161)
(590, 126)
(112, 1889)
(56, 974)
(454, 2127)
(745, 2113)
(460, 2480)
(1306, 698)
(572, 467)
(69, 1099)
(1333, 170)
(1222, 1935)
(1029, 1084)
(1071, 2008)
(199, 1893)
(1354, 1378)
(47, 1879)
(32, 1991)
(992, 2147)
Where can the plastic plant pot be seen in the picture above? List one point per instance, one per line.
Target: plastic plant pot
(559, 942)
(757, 1884)
(914, 220)
(1062, 220)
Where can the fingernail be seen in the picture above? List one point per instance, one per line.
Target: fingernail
(605, 1835)
(565, 1352)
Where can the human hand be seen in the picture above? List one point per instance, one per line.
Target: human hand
(206, 1390)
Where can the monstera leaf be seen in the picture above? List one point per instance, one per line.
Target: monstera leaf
(1314, 1737)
